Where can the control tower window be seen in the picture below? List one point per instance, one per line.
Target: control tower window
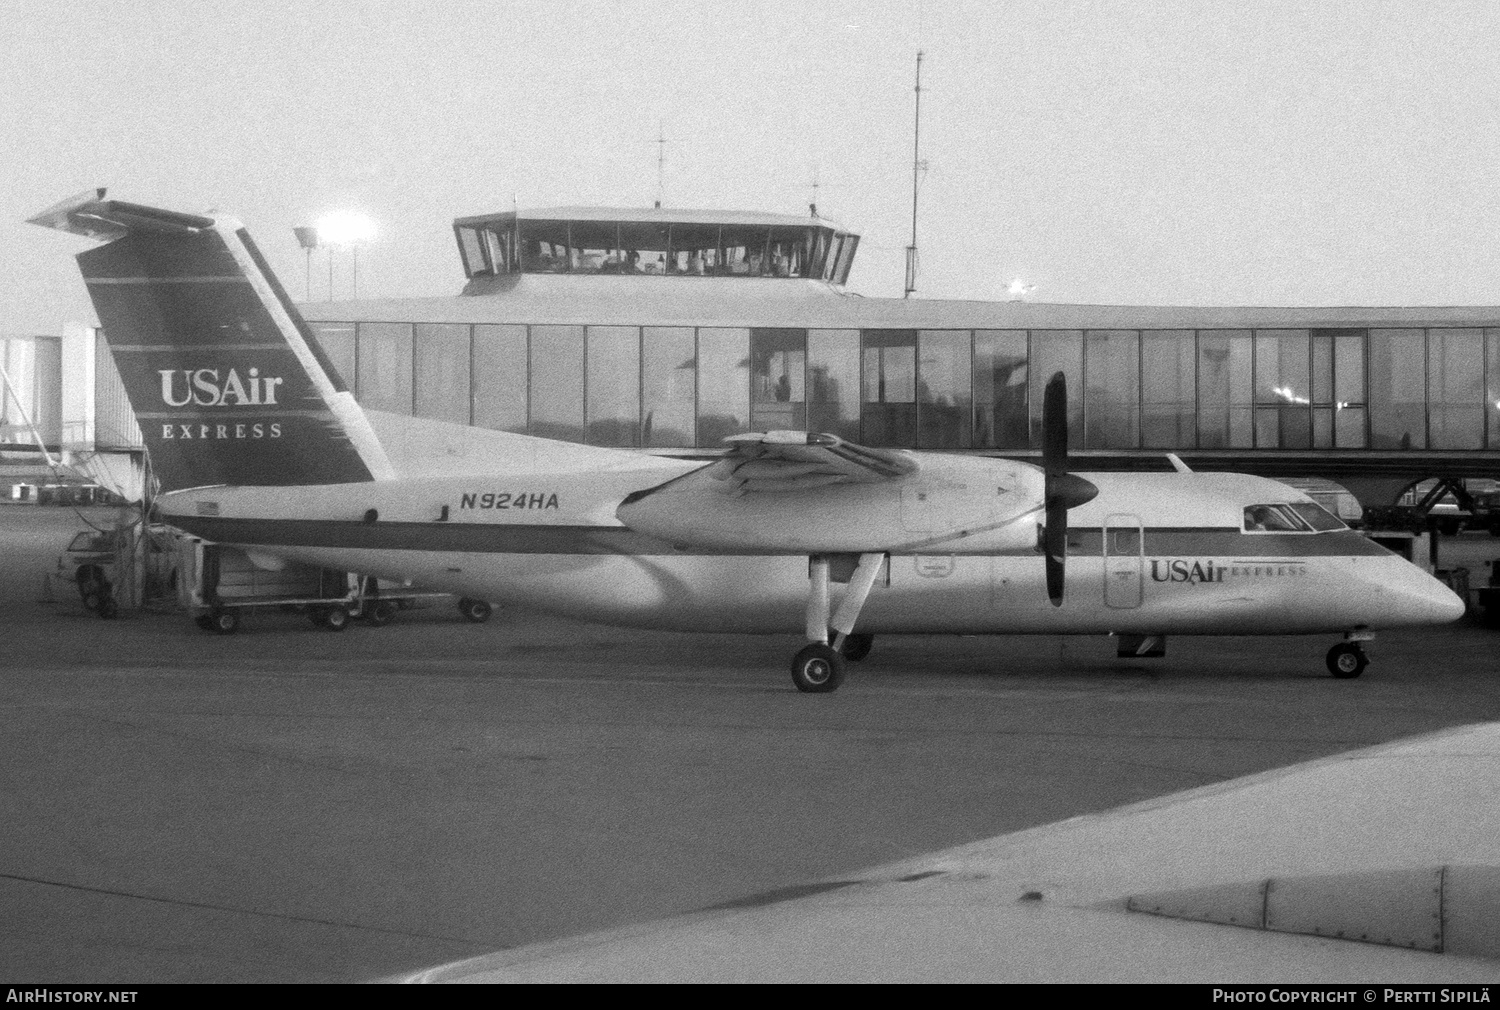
(745, 251)
(472, 247)
(544, 247)
(487, 249)
(642, 248)
(695, 250)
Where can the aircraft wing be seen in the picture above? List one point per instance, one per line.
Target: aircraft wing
(780, 461)
(1378, 865)
(796, 492)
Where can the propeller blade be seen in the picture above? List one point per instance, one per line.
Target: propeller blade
(1063, 490)
(1055, 546)
(1055, 426)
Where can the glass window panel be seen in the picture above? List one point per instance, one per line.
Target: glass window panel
(643, 246)
(695, 250)
(1283, 378)
(723, 384)
(1281, 367)
(595, 247)
(557, 382)
(1322, 427)
(889, 414)
(473, 250)
(1112, 388)
(778, 368)
(833, 382)
(1492, 386)
(1349, 427)
(1224, 389)
(846, 258)
(1397, 389)
(1000, 389)
(442, 372)
(1349, 369)
(544, 246)
(669, 368)
(1169, 413)
(945, 394)
(1455, 388)
(337, 341)
(499, 378)
(1055, 351)
(1322, 368)
(614, 385)
(384, 366)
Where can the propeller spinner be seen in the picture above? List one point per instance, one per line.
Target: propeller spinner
(1064, 490)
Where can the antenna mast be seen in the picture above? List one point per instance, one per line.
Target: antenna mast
(916, 168)
(661, 163)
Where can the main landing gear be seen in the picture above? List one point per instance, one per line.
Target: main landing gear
(819, 667)
(1347, 660)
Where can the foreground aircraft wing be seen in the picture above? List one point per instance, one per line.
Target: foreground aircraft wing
(1377, 865)
(780, 461)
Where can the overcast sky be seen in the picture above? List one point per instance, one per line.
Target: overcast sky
(1194, 153)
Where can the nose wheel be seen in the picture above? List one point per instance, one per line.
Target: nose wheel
(1347, 660)
(818, 669)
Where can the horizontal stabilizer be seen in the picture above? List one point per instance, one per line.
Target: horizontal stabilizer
(90, 215)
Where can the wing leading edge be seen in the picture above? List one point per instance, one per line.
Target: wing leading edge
(1058, 903)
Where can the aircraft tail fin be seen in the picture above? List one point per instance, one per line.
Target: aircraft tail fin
(226, 379)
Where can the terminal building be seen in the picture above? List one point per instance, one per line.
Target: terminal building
(670, 329)
(64, 417)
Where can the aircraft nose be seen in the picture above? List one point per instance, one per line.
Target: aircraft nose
(1417, 598)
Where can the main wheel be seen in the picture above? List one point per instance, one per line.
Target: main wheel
(108, 608)
(336, 618)
(1347, 660)
(477, 611)
(380, 612)
(857, 647)
(224, 622)
(204, 621)
(818, 669)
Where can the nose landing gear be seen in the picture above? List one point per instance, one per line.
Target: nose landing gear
(1347, 660)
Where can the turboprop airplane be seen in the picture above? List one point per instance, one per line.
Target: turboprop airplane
(258, 443)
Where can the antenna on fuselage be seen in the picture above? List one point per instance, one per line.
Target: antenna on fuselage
(917, 166)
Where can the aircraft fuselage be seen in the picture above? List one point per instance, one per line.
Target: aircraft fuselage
(1152, 554)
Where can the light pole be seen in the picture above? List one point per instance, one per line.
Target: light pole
(347, 229)
(307, 236)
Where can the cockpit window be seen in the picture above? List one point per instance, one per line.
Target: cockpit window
(1317, 516)
(1295, 517)
(1272, 519)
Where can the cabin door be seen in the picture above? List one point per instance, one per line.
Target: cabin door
(1124, 561)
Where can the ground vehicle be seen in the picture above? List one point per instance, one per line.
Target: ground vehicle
(99, 561)
(220, 583)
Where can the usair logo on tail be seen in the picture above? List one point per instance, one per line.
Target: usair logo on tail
(181, 387)
(212, 387)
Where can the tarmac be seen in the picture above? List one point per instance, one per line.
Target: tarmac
(293, 804)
